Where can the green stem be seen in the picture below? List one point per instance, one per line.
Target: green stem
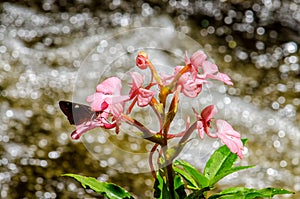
(171, 179)
(169, 174)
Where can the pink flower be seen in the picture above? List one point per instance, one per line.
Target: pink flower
(108, 97)
(144, 96)
(209, 69)
(108, 104)
(230, 137)
(110, 86)
(204, 120)
(195, 61)
(142, 60)
(189, 87)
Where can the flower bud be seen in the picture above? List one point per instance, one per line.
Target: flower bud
(142, 60)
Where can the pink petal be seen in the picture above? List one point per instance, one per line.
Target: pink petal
(84, 127)
(110, 86)
(116, 110)
(137, 82)
(186, 58)
(145, 96)
(200, 128)
(97, 101)
(230, 137)
(116, 104)
(198, 58)
(191, 89)
(221, 77)
(224, 78)
(137, 79)
(208, 113)
(209, 68)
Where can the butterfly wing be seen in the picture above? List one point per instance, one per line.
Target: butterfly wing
(77, 113)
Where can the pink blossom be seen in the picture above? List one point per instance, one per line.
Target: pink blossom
(97, 101)
(144, 96)
(142, 60)
(209, 69)
(189, 87)
(108, 97)
(230, 137)
(204, 120)
(110, 86)
(195, 61)
(107, 103)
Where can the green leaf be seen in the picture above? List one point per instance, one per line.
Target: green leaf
(110, 190)
(221, 163)
(191, 174)
(191, 183)
(179, 186)
(246, 193)
(199, 194)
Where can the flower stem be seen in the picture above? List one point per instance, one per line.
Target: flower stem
(170, 178)
(147, 134)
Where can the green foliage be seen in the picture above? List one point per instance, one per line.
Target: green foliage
(110, 190)
(186, 176)
(220, 164)
(190, 174)
(246, 193)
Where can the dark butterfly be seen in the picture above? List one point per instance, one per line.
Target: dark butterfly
(77, 113)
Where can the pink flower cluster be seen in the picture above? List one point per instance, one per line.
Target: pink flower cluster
(108, 102)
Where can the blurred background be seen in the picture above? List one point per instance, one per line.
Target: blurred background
(42, 46)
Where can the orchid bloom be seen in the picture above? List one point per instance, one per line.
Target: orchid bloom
(209, 69)
(108, 103)
(189, 87)
(195, 61)
(230, 137)
(142, 60)
(204, 120)
(108, 97)
(144, 96)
